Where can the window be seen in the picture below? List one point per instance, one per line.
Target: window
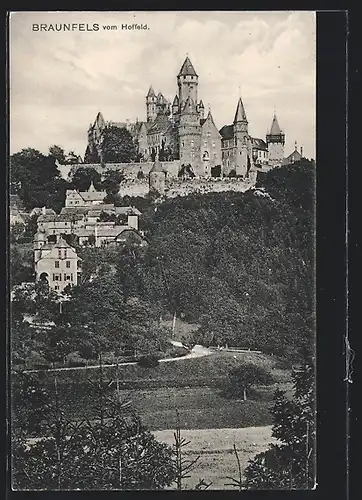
(56, 264)
(213, 144)
(59, 255)
(208, 133)
(79, 264)
(71, 277)
(65, 254)
(56, 287)
(205, 143)
(67, 264)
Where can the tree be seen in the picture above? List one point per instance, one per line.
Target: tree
(113, 451)
(118, 145)
(91, 155)
(290, 464)
(71, 158)
(242, 378)
(112, 180)
(84, 176)
(37, 180)
(58, 153)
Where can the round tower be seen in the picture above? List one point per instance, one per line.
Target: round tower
(157, 178)
(275, 140)
(187, 81)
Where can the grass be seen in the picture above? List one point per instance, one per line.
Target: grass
(192, 386)
(215, 448)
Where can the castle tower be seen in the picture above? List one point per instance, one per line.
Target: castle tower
(157, 178)
(243, 148)
(187, 81)
(151, 105)
(190, 135)
(275, 140)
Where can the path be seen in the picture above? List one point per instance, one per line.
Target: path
(196, 352)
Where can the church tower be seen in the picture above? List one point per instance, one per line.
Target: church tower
(151, 105)
(243, 148)
(275, 140)
(187, 81)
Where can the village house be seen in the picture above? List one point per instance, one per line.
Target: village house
(84, 198)
(57, 263)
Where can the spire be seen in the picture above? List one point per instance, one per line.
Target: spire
(275, 129)
(187, 68)
(151, 92)
(240, 115)
(175, 101)
(201, 105)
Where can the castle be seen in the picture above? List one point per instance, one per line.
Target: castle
(181, 131)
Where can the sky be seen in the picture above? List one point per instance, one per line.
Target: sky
(60, 80)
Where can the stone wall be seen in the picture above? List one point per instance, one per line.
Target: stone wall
(130, 169)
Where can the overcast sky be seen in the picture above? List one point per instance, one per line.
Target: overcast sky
(60, 80)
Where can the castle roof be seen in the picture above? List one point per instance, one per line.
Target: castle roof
(187, 68)
(99, 121)
(275, 129)
(227, 131)
(175, 101)
(160, 124)
(240, 115)
(259, 144)
(201, 105)
(151, 92)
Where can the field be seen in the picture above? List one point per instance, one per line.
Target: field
(190, 386)
(215, 448)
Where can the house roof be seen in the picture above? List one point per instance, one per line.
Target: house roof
(259, 144)
(111, 231)
(294, 156)
(201, 105)
(127, 210)
(59, 218)
(240, 115)
(202, 121)
(83, 232)
(187, 68)
(227, 131)
(39, 210)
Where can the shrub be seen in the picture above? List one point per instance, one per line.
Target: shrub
(150, 361)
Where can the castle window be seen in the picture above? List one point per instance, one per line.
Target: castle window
(59, 254)
(67, 264)
(56, 263)
(208, 133)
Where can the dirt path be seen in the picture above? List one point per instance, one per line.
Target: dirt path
(197, 352)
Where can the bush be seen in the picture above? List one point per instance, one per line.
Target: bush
(150, 361)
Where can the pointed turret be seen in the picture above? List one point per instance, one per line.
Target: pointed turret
(187, 68)
(275, 140)
(175, 101)
(189, 106)
(201, 105)
(151, 92)
(275, 129)
(240, 115)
